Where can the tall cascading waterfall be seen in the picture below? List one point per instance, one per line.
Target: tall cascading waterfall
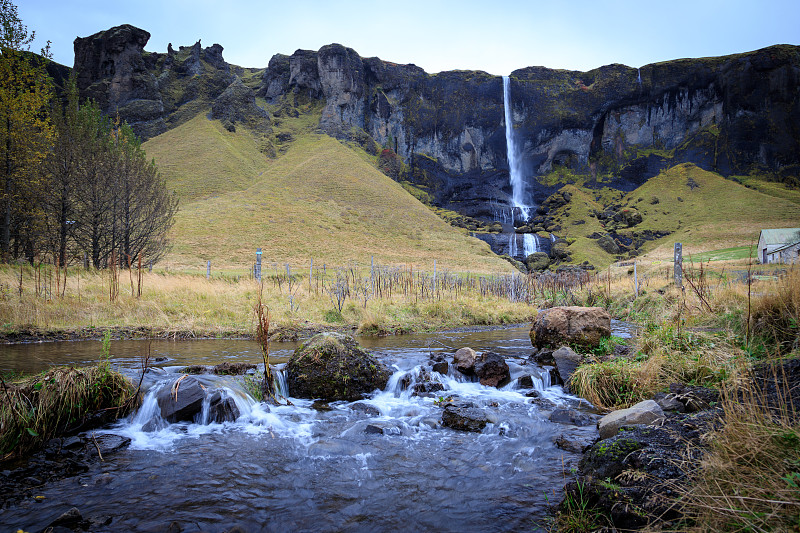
(529, 244)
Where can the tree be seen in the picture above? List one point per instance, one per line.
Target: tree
(145, 210)
(25, 133)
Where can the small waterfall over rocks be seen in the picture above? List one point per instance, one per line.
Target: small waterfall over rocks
(385, 462)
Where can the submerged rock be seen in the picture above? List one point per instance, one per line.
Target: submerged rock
(573, 325)
(571, 417)
(232, 369)
(332, 366)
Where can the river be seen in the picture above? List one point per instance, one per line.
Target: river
(299, 468)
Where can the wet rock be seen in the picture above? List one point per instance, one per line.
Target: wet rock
(492, 370)
(464, 416)
(573, 444)
(542, 356)
(72, 443)
(646, 412)
(525, 382)
(566, 361)
(427, 387)
(369, 410)
(319, 405)
(71, 519)
(464, 359)
(573, 325)
(332, 367)
(222, 409)
(195, 370)
(441, 367)
(181, 401)
(109, 443)
(373, 429)
(154, 424)
(232, 369)
(571, 417)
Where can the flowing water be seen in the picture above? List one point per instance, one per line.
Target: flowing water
(381, 464)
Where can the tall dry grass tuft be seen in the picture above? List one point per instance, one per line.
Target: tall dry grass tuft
(37, 408)
(775, 315)
(750, 479)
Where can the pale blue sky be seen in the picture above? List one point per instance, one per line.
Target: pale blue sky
(496, 36)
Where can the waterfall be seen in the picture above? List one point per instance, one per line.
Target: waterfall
(639, 77)
(512, 244)
(529, 244)
(514, 160)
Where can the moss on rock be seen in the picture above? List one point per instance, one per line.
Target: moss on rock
(332, 366)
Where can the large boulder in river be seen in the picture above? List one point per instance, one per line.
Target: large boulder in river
(492, 370)
(583, 326)
(181, 400)
(332, 366)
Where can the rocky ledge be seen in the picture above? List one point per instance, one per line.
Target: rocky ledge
(634, 475)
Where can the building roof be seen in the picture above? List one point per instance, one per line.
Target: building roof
(780, 236)
(784, 247)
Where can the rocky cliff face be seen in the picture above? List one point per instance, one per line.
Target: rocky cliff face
(617, 124)
(731, 115)
(153, 92)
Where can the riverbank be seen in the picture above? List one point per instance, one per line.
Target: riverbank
(185, 306)
(717, 364)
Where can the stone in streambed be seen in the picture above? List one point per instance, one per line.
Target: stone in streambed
(566, 361)
(222, 409)
(464, 360)
(464, 416)
(492, 370)
(332, 367)
(181, 400)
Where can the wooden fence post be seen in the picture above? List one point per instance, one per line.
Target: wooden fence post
(678, 272)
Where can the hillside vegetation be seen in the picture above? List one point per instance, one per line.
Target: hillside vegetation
(700, 209)
(318, 199)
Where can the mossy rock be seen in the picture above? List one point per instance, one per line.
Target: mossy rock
(537, 261)
(333, 367)
(608, 245)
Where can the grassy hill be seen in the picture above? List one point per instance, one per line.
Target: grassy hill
(319, 199)
(700, 209)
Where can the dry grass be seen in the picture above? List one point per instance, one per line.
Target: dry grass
(775, 315)
(750, 479)
(185, 304)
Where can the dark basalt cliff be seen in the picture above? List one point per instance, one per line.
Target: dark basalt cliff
(619, 125)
